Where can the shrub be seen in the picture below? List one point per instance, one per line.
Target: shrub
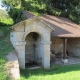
(4, 22)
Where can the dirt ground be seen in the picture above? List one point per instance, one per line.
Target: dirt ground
(71, 60)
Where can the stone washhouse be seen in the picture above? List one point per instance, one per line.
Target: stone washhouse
(35, 37)
(31, 39)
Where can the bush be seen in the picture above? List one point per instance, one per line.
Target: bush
(73, 16)
(54, 11)
(16, 14)
(4, 22)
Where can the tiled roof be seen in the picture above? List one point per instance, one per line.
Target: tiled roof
(63, 27)
(28, 14)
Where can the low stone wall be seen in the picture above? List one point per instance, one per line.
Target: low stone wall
(57, 45)
(73, 46)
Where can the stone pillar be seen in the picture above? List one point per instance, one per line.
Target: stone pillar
(20, 46)
(46, 55)
(64, 49)
(64, 60)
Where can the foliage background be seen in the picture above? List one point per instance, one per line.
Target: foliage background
(65, 8)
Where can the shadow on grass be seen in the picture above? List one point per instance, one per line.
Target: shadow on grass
(54, 70)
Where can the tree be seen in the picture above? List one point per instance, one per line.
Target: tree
(11, 3)
(65, 8)
(4, 18)
(14, 9)
(77, 8)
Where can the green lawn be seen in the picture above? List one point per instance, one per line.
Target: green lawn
(5, 47)
(69, 72)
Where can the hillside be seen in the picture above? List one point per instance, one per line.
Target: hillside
(5, 47)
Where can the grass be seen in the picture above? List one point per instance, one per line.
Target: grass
(69, 72)
(5, 47)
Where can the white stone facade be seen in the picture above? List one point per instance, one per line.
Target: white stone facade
(20, 32)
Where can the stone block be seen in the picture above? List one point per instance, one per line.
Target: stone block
(65, 61)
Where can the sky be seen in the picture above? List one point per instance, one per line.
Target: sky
(1, 6)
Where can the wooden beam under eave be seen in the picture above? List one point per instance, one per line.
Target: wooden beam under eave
(64, 48)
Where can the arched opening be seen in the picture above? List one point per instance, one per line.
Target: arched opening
(32, 50)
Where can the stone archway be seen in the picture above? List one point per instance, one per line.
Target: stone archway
(20, 32)
(33, 56)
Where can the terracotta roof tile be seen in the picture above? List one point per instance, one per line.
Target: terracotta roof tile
(63, 27)
(28, 14)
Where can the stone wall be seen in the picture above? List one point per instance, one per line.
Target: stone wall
(73, 46)
(57, 45)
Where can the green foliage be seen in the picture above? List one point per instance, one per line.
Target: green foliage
(34, 5)
(73, 16)
(16, 14)
(14, 9)
(3, 14)
(65, 8)
(11, 3)
(77, 9)
(3, 32)
(5, 19)
(5, 47)
(4, 22)
(54, 11)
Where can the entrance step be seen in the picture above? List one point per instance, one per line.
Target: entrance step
(36, 67)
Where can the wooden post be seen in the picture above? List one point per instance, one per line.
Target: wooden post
(64, 48)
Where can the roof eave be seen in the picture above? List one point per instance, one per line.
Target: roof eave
(37, 17)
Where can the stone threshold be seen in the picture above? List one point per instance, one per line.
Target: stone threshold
(36, 67)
